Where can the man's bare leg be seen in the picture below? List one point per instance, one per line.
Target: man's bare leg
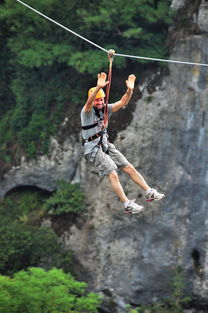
(150, 193)
(130, 205)
(116, 185)
(136, 176)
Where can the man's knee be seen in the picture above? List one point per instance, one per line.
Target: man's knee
(128, 168)
(113, 175)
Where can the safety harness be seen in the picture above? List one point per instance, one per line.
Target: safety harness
(99, 134)
(105, 110)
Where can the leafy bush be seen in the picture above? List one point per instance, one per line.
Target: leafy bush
(67, 199)
(19, 204)
(23, 246)
(23, 242)
(38, 291)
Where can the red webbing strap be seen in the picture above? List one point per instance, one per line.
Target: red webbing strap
(110, 57)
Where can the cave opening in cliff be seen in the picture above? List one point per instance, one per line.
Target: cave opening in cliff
(25, 204)
(28, 188)
(196, 258)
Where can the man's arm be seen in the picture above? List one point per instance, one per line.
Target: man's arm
(101, 83)
(127, 96)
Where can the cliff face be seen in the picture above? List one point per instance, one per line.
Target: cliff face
(135, 257)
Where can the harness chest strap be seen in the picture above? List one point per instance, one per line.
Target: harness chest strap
(100, 134)
(96, 123)
(91, 138)
(90, 126)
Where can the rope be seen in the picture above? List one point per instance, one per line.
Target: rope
(101, 48)
(110, 57)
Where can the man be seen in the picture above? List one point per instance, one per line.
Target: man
(103, 154)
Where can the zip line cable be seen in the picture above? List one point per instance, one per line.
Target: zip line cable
(101, 48)
(69, 30)
(160, 60)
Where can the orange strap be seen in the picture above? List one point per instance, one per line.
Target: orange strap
(110, 57)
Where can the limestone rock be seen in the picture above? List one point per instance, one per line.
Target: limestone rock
(178, 4)
(167, 141)
(203, 16)
(44, 171)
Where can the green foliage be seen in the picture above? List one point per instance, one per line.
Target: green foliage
(38, 291)
(137, 27)
(178, 285)
(23, 242)
(174, 304)
(6, 97)
(67, 199)
(19, 204)
(23, 246)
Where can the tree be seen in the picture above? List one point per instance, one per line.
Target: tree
(68, 198)
(39, 291)
(23, 242)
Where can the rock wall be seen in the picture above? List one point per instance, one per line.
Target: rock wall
(44, 172)
(134, 258)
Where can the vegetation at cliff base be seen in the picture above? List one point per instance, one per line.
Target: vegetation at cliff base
(68, 198)
(38, 291)
(35, 269)
(24, 241)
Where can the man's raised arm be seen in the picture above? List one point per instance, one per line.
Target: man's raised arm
(127, 96)
(101, 83)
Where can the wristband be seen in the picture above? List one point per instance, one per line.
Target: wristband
(129, 92)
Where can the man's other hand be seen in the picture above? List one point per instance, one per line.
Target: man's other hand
(101, 81)
(130, 82)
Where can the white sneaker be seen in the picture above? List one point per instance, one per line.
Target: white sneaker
(133, 207)
(152, 194)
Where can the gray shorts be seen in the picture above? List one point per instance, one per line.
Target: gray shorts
(107, 163)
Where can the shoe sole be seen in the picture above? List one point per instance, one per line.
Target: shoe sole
(149, 200)
(129, 212)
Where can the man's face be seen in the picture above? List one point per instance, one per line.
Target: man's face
(98, 103)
